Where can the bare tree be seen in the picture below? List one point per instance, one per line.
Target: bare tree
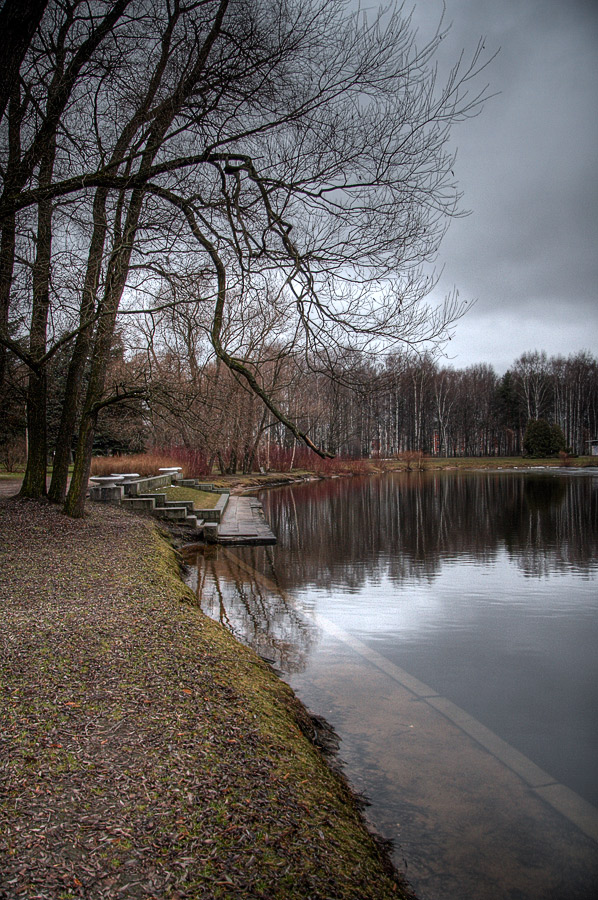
(251, 139)
(56, 63)
(533, 383)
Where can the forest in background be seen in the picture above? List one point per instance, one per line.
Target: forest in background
(189, 405)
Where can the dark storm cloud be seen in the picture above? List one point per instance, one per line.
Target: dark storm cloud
(527, 166)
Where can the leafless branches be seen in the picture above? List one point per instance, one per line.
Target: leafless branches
(247, 142)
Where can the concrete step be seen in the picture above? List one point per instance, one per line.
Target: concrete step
(194, 522)
(198, 485)
(174, 513)
(186, 503)
(159, 499)
(145, 504)
(210, 531)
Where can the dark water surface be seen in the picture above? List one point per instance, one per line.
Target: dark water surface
(447, 625)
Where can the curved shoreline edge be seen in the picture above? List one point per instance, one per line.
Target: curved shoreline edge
(146, 752)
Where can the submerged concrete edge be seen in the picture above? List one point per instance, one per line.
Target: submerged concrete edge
(560, 797)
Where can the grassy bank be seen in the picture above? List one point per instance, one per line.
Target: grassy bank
(505, 462)
(201, 499)
(146, 754)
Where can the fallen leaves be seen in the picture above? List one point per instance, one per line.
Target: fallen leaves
(135, 764)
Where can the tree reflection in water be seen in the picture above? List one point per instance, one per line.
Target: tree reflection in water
(399, 527)
(406, 526)
(250, 605)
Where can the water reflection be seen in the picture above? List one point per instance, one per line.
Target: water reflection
(410, 524)
(483, 587)
(259, 613)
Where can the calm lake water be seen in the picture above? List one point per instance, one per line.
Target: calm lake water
(446, 624)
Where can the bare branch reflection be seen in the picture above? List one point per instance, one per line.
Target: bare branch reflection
(235, 592)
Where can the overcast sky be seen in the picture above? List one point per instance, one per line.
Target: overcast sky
(528, 253)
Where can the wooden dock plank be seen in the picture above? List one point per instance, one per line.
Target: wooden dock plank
(243, 522)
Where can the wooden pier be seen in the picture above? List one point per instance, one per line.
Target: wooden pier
(243, 522)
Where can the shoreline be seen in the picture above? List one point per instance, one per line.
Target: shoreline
(10, 482)
(258, 481)
(149, 753)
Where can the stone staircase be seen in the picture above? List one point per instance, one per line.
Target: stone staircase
(180, 511)
(144, 496)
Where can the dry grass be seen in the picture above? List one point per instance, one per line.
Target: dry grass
(146, 754)
(142, 463)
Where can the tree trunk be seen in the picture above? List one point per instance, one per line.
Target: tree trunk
(7, 255)
(118, 269)
(75, 501)
(7, 243)
(34, 481)
(68, 421)
(72, 394)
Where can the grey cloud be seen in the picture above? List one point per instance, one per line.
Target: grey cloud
(527, 167)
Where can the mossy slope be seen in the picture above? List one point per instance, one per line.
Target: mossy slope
(146, 753)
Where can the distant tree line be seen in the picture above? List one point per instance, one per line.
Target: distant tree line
(404, 404)
(413, 403)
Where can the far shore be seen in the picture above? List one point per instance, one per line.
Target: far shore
(239, 483)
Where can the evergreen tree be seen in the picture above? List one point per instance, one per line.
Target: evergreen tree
(542, 439)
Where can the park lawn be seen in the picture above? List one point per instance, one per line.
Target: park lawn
(506, 462)
(201, 499)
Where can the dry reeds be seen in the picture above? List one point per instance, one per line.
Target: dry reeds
(192, 462)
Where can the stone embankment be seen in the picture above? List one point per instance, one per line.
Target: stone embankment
(239, 520)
